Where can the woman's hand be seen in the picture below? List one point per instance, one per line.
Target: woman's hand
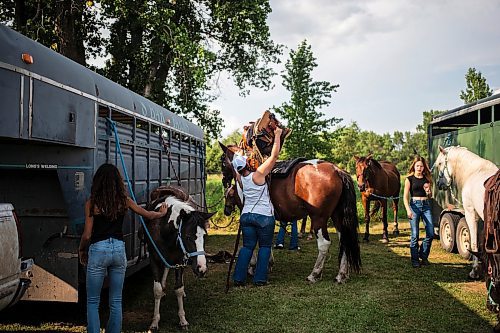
(163, 209)
(409, 213)
(84, 257)
(277, 132)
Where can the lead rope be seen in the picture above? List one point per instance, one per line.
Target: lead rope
(119, 150)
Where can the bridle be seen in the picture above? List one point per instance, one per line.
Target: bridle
(449, 179)
(187, 255)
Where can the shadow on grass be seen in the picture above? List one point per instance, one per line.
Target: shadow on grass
(387, 296)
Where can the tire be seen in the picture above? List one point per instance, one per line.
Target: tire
(447, 232)
(463, 239)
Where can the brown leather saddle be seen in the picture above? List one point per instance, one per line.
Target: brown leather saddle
(258, 138)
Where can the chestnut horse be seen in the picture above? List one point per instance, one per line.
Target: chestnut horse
(378, 181)
(318, 189)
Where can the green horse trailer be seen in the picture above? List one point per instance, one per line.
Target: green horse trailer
(475, 126)
(57, 126)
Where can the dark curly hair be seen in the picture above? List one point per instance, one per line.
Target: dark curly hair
(108, 193)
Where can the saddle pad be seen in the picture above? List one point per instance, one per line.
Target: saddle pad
(282, 168)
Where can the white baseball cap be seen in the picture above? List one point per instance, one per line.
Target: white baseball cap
(239, 162)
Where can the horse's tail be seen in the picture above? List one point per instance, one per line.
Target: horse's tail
(349, 223)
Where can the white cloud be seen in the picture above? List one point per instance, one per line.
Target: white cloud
(392, 59)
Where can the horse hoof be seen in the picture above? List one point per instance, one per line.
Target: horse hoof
(153, 330)
(311, 278)
(341, 279)
(309, 237)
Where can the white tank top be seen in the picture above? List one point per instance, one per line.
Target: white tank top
(256, 197)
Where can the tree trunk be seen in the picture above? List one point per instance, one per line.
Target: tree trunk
(67, 27)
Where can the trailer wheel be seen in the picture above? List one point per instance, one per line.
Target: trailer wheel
(447, 228)
(463, 239)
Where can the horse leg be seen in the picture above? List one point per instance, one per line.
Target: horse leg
(395, 207)
(366, 206)
(158, 292)
(385, 235)
(180, 294)
(471, 218)
(324, 242)
(253, 263)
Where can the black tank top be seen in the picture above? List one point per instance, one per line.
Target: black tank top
(417, 186)
(103, 228)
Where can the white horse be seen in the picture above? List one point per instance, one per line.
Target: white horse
(469, 172)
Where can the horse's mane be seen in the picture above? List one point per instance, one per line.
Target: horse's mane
(473, 164)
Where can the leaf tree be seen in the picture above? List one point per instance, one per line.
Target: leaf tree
(301, 112)
(477, 87)
(173, 52)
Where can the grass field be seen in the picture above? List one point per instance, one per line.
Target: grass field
(387, 296)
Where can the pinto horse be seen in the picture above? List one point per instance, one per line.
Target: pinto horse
(457, 165)
(378, 181)
(179, 237)
(322, 191)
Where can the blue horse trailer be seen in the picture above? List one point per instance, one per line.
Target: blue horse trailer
(55, 131)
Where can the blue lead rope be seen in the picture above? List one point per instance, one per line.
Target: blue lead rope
(118, 148)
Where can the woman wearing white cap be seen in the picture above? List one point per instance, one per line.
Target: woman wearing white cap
(257, 216)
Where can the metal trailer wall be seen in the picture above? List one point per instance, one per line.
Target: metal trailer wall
(54, 135)
(475, 126)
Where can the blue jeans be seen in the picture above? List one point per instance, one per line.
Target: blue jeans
(256, 228)
(421, 208)
(106, 257)
(294, 235)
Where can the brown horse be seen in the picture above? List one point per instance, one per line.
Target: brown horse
(318, 189)
(378, 181)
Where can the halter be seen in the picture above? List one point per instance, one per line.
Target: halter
(187, 254)
(449, 180)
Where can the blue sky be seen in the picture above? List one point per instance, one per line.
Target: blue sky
(392, 59)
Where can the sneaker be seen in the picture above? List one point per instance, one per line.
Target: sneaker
(425, 262)
(279, 246)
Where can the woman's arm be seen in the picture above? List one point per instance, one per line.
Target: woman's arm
(87, 233)
(406, 198)
(259, 176)
(150, 215)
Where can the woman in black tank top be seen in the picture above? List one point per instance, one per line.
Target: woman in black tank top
(417, 192)
(102, 248)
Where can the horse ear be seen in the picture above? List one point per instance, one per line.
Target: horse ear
(441, 149)
(369, 157)
(224, 148)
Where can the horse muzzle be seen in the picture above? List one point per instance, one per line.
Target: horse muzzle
(443, 185)
(228, 210)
